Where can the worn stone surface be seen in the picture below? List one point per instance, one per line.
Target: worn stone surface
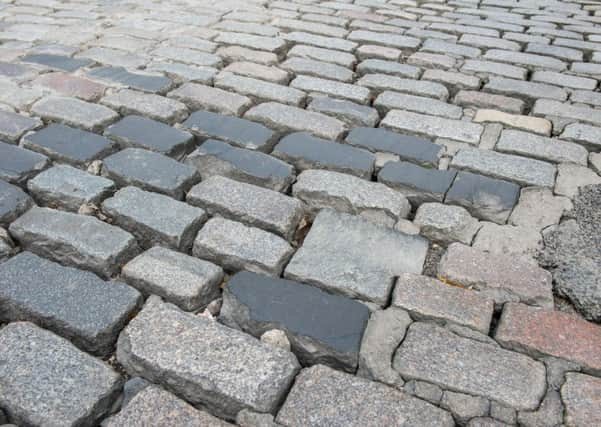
(345, 193)
(73, 303)
(331, 257)
(426, 298)
(571, 178)
(538, 208)
(180, 279)
(155, 107)
(580, 396)
(501, 278)
(13, 203)
(508, 239)
(351, 113)
(65, 144)
(517, 169)
(464, 407)
(322, 328)
(154, 219)
(140, 132)
(17, 164)
(49, 233)
(250, 204)
(239, 132)
(74, 112)
(13, 126)
(217, 158)
(154, 405)
(66, 187)
(485, 198)
(436, 355)
(407, 147)
(150, 171)
(199, 370)
(48, 381)
(572, 251)
(236, 246)
(446, 224)
(541, 332)
(418, 184)
(385, 331)
(308, 152)
(197, 96)
(351, 401)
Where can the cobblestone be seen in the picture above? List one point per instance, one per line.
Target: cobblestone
(439, 162)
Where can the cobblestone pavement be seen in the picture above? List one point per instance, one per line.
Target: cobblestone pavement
(300, 213)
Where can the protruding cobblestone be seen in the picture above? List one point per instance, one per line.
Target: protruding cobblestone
(194, 357)
(13, 203)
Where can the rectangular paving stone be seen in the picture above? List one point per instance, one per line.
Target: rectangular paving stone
(258, 71)
(521, 170)
(322, 328)
(425, 298)
(523, 89)
(495, 68)
(269, 44)
(485, 198)
(194, 357)
(187, 56)
(348, 112)
(390, 100)
(474, 99)
(217, 158)
(546, 332)
(348, 400)
(73, 303)
(540, 147)
(308, 152)
(155, 219)
(69, 145)
(17, 164)
(383, 82)
(580, 408)
(13, 126)
(320, 54)
(236, 247)
(182, 72)
(407, 147)
(332, 88)
(156, 107)
(115, 57)
(562, 53)
(432, 126)
(154, 405)
(298, 37)
(140, 132)
(502, 277)
(379, 66)
(201, 97)
(586, 97)
(239, 53)
(49, 233)
(239, 132)
(285, 118)
(150, 171)
(561, 79)
(310, 67)
(547, 107)
(336, 256)
(452, 79)
(418, 184)
(249, 204)
(144, 82)
(38, 369)
(259, 90)
(320, 189)
(183, 280)
(311, 27)
(59, 62)
(516, 121)
(586, 135)
(68, 188)
(74, 112)
(13, 202)
(386, 39)
(436, 355)
(526, 59)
